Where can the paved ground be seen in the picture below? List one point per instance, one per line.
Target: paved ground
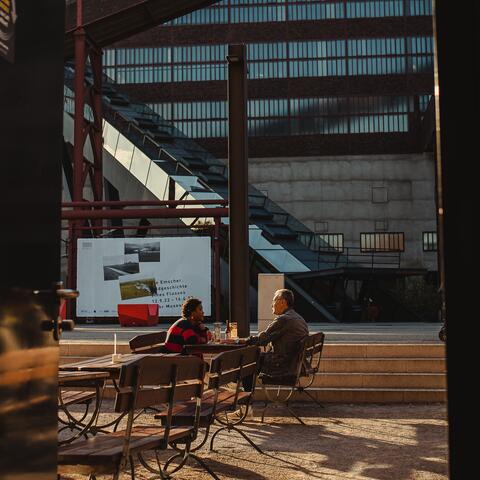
(341, 333)
(340, 442)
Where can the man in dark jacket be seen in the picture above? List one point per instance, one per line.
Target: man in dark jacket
(285, 334)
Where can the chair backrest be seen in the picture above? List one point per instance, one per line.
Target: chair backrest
(148, 342)
(232, 367)
(313, 348)
(160, 379)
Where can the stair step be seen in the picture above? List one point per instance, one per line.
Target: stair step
(260, 213)
(212, 178)
(278, 231)
(368, 395)
(386, 350)
(380, 380)
(118, 101)
(195, 163)
(380, 365)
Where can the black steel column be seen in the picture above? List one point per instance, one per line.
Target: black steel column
(238, 188)
(31, 151)
(458, 111)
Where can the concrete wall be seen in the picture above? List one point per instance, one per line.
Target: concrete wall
(336, 193)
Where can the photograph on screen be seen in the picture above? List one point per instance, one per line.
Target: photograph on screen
(118, 265)
(147, 252)
(145, 287)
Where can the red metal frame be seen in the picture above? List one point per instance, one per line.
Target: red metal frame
(94, 211)
(85, 49)
(85, 93)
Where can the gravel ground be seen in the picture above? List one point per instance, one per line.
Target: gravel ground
(339, 442)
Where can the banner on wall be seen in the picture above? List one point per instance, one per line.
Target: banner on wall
(165, 271)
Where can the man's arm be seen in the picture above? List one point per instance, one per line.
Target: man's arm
(276, 329)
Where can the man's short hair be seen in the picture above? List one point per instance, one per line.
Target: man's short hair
(189, 306)
(287, 295)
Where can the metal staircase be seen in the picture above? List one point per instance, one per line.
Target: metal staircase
(171, 166)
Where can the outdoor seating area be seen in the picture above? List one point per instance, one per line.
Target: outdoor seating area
(175, 395)
(232, 239)
(342, 441)
(181, 416)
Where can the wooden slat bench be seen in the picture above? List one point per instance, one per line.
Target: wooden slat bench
(227, 368)
(151, 380)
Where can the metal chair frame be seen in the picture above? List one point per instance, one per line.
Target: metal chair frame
(227, 368)
(307, 367)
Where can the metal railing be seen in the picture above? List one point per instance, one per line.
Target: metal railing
(354, 257)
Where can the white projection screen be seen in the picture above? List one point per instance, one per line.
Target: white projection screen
(112, 271)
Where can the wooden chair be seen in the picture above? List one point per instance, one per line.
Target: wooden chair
(148, 381)
(148, 343)
(307, 366)
(224, 395)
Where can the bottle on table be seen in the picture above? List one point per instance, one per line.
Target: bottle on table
(228, 331)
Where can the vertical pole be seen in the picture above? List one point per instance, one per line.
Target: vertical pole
(78, 142)
(457, 143)
(96, 131)
(216, 267)
(439, 181)
(238, 188)
(79, 123)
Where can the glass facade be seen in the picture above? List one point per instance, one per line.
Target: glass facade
(295, 116)
(255, 11)
(313, 58)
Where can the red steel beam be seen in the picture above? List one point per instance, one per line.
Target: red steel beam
(141, 213)
(139, 227)
(143, 203)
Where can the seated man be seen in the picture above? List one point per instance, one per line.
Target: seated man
(284, 333)
(188, 330)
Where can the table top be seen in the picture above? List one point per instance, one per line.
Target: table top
(102, 364)
(67, 378)
(105, 364)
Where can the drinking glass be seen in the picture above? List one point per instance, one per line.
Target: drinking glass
(217, 330)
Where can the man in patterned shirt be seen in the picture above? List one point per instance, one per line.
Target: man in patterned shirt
(188, 330)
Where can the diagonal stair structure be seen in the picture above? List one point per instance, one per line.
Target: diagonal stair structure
(163, 160)
(159, 162)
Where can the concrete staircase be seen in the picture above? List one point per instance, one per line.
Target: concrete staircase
(380, 373)
(349, 373)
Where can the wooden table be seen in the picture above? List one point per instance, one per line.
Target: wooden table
(94, 382)
(104, 364)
